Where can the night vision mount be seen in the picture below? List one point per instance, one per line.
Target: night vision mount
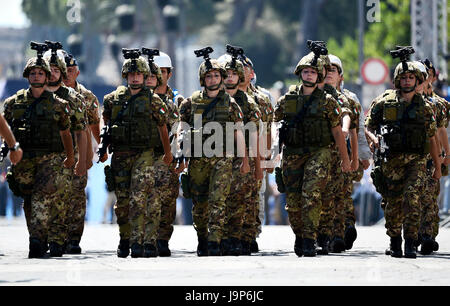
(133, 55)
(205, 52)
(40, 50)
(404, 53)
(235, 52)
(319, 48)
(151, 53)
(54, 47)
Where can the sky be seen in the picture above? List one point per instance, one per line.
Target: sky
(11, 15)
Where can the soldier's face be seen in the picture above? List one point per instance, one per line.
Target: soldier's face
(407, 80)
(213, 79)
(249, 74)
(333, 77)
(165, 76)
(232, 78)
(310, 75)
(56, 74)
(151, 81)
(72, 74)
(37, 76)
(135, 78)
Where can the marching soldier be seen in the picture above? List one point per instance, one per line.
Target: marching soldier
(41, 122)
(135, 120)
(209, 178)
(406, 126)
(312, 125)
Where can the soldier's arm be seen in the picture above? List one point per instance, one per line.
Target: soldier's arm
(237, 117)
(8, 136)
(66, 138)
(355, 149)
(256, 117)
(443, 138)
(160, 113)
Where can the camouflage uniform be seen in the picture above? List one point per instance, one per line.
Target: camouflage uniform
(167, 182)
(137, 208)
(41, 176)
(306, 170)
(75, 196)
(402, 172)
(242, 204)
(77, 211)
(210, 177)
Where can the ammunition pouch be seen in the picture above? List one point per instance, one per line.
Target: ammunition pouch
(110, 179)
(279, 180)
(385, 186)
(186, 186)
(18, 189)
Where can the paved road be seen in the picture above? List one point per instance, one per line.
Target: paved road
(276, 264)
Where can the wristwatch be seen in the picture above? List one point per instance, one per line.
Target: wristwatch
(15, 148)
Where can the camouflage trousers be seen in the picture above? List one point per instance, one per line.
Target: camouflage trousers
(45, 209)
(345, 211)
(252, 222)
(306, 177)
(429, 217)
(167, 186)
(137, 208)
(404, 175)
(210, 188)
(241, 203)
(76, 207)
(332, 199)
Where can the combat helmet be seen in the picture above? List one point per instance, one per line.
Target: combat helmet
(153, 67)
(317, 60)
(423, 70)
(406, 65)
(55, 56)
(334, 60)
(37, 62)
(134, 62)
(230, 61)
(208, 65)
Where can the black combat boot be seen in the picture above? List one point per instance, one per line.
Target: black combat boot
(56, 250)
(435, 245)
(309, 247)
(36, 248)
(202, 248)
(236, 247)
(427, 245)
(254, 248)
(350, 237)
(123, 250)
(396, 247)
(410, 249)
(323, 242)
(214, 249)
(137, 250)
(163, 248)
(298, 247)
(337, 245)
(150, 251)
(245, 250)
(73, 247)
(225, 245)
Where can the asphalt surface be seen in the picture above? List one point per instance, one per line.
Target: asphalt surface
(275, 265)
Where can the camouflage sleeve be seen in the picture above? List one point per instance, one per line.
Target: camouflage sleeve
(278, 114)
(255, 113)
(375, 114)
(92, 106)
(78, 115)
(185, 110)
(345, 105)
(160, 111)
(174, 115)
(7, 109)
(333, 111)
(440, 115)
(107, 108)
(236, 114)
(355, 111)
(430, 121)
(62, 113)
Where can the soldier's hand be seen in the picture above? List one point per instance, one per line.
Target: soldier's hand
(104, 158)
(446, 160)
(245, 167)
(437, 174)
(259, 175)
(366, 164)
(346, 166)
(167, 159)
(69, 162)
(180, 168)
(80, 169)
(16, 156)
(89, 164)
(355, 165)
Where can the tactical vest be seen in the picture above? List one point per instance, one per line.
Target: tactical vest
(403, 127)
(313, 131)
(135, 130)
(37, 131)
(220, 114)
